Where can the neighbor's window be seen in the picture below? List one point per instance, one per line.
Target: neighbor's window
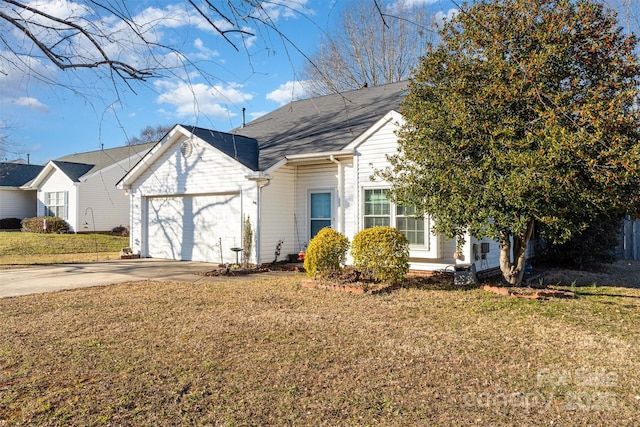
(56, 204)
(377, 208)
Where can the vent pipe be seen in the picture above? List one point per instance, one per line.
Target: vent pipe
(243, 111)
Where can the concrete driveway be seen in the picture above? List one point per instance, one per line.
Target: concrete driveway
(24, 281)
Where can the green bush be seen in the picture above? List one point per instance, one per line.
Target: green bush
(36, 225)
(327, 251)
(381, 254)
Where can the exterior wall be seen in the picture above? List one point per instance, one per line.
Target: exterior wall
(205, 171)
(314, 178)
(278, 217)
(15, 203)
(371, 155)
(98, 193)
(58, 181)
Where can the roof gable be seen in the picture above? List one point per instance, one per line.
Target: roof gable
(238, 147)
(101, 159)
(16, 174)
(73, 170)
(326, 123)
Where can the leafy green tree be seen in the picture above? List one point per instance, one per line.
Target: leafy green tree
(525, 112)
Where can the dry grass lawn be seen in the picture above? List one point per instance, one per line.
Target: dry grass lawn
(270, 352)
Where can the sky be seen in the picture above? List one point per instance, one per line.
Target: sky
(48, 113)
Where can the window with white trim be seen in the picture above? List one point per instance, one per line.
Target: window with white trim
(56, 204)
(377, 208)
(379, 211)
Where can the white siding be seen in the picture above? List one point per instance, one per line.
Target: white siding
(58, 181)
(371, 155)
(16, 203)
(313, 178)
(205, 171)
(99, 194)
(278, 216)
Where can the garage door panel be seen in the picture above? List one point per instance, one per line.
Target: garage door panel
(194, 227)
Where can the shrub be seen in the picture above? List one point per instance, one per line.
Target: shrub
(594, 246)
(10, 224)
(37, 224)
(326, 251)
(120, 230)
(381, 253)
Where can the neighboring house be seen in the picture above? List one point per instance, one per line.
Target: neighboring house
(15, 202)
(629, 239)
(302, 167)
(81, 188)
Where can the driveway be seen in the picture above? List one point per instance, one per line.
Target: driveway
(24, 281)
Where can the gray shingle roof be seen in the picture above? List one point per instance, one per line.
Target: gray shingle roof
(322, 124)
(73, 170)
(16, 174)
(238, 147)
(100, 159)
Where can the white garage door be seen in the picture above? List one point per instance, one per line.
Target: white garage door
(195, 228)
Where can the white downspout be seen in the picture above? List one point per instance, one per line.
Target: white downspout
(261, 184)
(340, 227)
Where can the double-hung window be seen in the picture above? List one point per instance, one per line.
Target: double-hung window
(56, 204)
(379, 211)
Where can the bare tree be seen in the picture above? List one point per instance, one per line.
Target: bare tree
(107, 37)
(372, 44)
(150, 134)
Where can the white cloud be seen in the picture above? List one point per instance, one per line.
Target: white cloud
(290, 91)
(441, 17)
(29, 102)
(203, 52)
(192, 99)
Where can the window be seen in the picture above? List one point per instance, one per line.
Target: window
(409, 225)
(320, 215)
(379, 211)
(377, 208)
(56, 204)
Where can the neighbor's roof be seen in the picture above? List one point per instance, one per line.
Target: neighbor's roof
(73, 170)
(17, 174)
(238, 147)
(322, 124)
(101, 159)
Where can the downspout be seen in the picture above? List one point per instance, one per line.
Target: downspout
(261, 183)
(340, 193)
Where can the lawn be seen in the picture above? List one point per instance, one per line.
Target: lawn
(271, 352)
(18, 248)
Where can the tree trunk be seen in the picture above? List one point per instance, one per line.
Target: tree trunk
(513, 272)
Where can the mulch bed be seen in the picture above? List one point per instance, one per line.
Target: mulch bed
(233, 270)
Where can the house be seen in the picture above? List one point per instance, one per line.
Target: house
(302, 167)
(81, 188)
(15, 202)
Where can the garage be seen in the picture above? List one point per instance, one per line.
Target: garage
(201, 227)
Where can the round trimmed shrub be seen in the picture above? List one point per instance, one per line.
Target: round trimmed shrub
(381, 254)
(326, 251)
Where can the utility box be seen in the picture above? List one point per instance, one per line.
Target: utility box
(465, 274)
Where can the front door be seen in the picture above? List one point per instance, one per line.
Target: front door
(320, 212)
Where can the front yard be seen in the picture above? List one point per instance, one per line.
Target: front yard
(18, 248)
(271, 352)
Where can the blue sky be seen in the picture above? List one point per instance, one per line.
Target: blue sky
(48, 120)
(77, 111)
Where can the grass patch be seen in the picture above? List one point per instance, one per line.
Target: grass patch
(34, 248)
(270, 352)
